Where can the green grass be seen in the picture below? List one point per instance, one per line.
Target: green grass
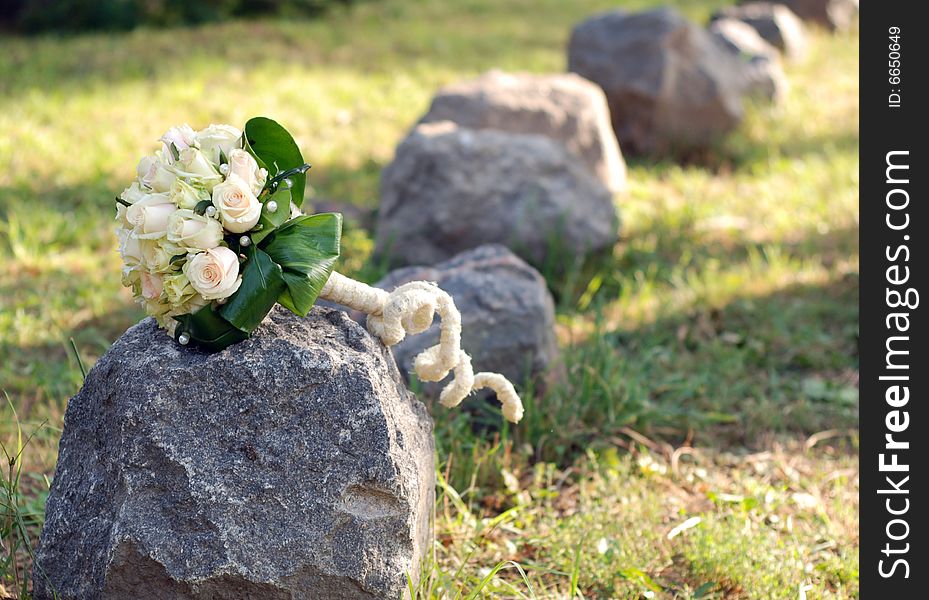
(725, 319)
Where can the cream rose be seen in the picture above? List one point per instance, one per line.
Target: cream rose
(155, 258)
(185, 195)
(237, 205)
(243, 164)
(216, 138)
(196, 167)
(149, 216)
(130, 248)
(133, 193)
(214, 273)
(152, 284)
(182, 137)
(154, 174)
(177, 289)
(194, 232)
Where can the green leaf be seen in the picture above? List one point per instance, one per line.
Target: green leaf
(269, 222)
(306, 248)
(276, 151)
(208, 330)
(262, 283)
(200, 207)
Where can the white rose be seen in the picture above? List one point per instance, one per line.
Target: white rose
(130, 195)
(196, 167)
(218, 137)
(177, 289)
(155, 258)
(149, 216)
(130, 248)
(194, 232)
(133, 193)
(214, 273)
(182, 137)
(156, 308)
(243, 164)
(185, 195)
(237, 205)
(131, 279)
(154, 174)
(192, 305)
(164, 313)
(152, 284)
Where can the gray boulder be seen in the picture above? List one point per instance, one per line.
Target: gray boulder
(292, 465)
(763, 74)
(507, 314)
(775, 23)
(671, 86)
(450, 189)
(564, 107)
(836, 15)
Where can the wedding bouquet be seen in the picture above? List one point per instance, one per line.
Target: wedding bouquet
(212, 235)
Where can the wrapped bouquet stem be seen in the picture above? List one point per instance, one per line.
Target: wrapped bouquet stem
(410, 309)
(212, 237)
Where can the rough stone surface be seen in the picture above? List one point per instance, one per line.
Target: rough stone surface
(775, 23)
(564, 107)
(669, 83)
(764, 75)
(507, 314)
(292, 465)
(836, 15)
(450, 189)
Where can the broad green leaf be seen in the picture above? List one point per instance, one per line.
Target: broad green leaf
(306, 248)
(274, 146)
(269, 221)
(208, 330)
(201, 206)
(262, 283)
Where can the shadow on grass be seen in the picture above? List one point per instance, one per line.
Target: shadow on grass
(781, 364)
(375, 37)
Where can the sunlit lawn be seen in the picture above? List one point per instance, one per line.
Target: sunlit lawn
(726, 320)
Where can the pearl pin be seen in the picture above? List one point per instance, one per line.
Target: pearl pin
(224, 169)
(245, 241)
(210, 211)
(271, 206)
(183, 339)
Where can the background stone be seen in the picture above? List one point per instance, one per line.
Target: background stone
(564, 107)
(836, 15)
(292, 465)
(764, 75)
(450, 189)
(670, 85)
(775, 23)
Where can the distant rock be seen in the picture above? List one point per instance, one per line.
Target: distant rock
(836, 15)
(764, 76)
(294, 464)
(564, 107)
(775, 23)
(450, 189)
(670, 85)
(507, 314)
